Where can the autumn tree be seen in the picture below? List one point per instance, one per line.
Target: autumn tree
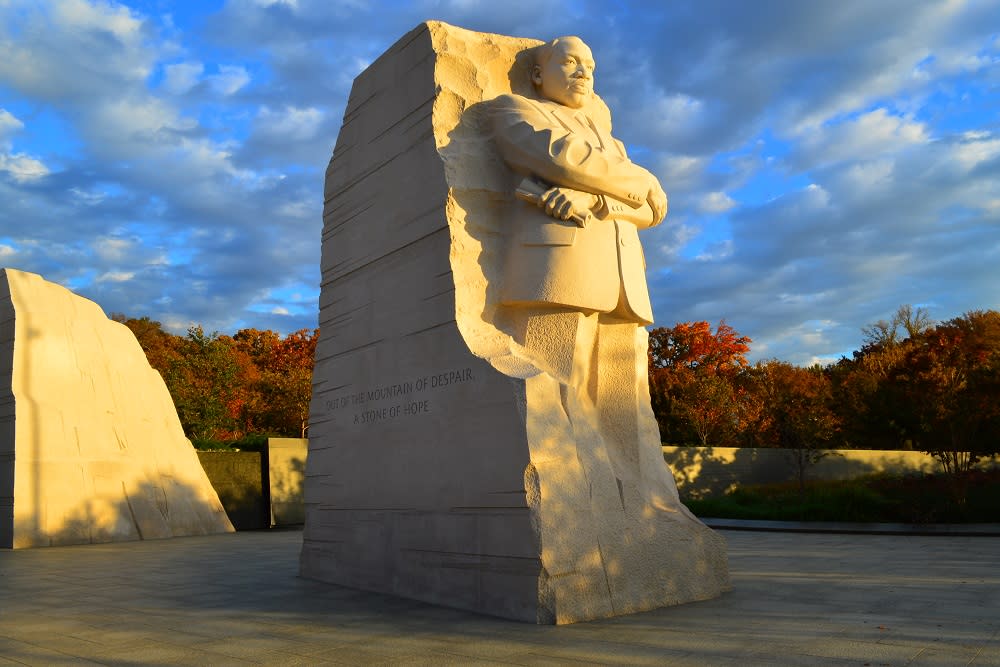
(161, 347)
(224, 388)
(798, 413)
(211, 385)
(946, 387)
(284, 385)
(871, 417)
(694, 387)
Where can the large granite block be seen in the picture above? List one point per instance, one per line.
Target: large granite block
(91, 449)
(449, 459)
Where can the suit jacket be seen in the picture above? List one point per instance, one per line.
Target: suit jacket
(553, 261)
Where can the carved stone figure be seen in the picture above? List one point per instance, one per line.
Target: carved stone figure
(578, 247)
(574, 281)
(480, 432)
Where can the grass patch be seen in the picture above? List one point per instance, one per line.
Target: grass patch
(973, 498)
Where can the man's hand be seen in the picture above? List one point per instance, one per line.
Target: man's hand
(564, 203)
(657, 200)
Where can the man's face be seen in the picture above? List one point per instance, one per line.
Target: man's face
(568, 75)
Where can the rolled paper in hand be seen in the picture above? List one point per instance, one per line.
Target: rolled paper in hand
(532, 191)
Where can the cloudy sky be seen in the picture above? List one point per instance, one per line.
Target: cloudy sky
(825, 161)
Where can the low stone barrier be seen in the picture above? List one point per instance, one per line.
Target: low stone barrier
(260, 489)
(237, 479)
(286, 473)
(707, 471)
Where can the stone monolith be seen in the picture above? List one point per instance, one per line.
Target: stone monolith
(474, 441)
(91, 449)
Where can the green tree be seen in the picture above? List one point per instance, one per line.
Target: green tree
(210, 383)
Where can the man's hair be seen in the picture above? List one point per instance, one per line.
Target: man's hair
(543, 52)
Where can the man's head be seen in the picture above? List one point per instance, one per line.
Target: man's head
(564, 72)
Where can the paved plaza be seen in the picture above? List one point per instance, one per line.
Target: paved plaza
(797, 599)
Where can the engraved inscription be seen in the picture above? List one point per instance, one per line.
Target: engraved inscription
(401, 399)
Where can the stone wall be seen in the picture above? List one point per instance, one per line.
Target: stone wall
(708, 471)
(237, 479)
(286, 470)
(261, 489)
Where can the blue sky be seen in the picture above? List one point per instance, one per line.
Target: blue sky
(826, 162)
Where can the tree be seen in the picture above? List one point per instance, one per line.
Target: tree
(798, 412)
(702, 402)
(288, 381)
(949, 381)
(693, 345)
(693, 375)
(211, 384)
(223, 387)
(871, 417)
(161, 347)
(913, 321)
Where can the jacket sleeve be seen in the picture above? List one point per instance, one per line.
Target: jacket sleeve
(532, 143)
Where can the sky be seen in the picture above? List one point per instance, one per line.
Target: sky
(826, 162)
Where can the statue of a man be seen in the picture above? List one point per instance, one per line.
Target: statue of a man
(581, 248)
(574, 280)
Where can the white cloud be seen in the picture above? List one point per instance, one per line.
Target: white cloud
(862, 179)
(716, 251)
(9, 124)
(87, 197)
(104, 16)
(179, 78)
(289, 124)
(66, 49)
(975, 151)
(675, 113)
(867, 136)
(681, 171)
(115, 277)
(7, 252)
(114, 250)
(716, 202)
(23, 168)
(230, 79)
(814, 197)
(136, 128)
(670, 239)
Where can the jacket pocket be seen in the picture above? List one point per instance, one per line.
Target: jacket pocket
(549, 233)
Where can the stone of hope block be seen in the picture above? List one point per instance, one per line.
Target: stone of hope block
(481, 434)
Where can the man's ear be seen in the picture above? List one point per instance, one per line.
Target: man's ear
(536, 75)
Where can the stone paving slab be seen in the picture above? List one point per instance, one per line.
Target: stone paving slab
(798, 599)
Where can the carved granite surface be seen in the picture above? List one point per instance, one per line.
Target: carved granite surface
(91, 449)
(455, 454)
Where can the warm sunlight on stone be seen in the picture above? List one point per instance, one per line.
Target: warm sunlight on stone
(481, 434)
(91, 449)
